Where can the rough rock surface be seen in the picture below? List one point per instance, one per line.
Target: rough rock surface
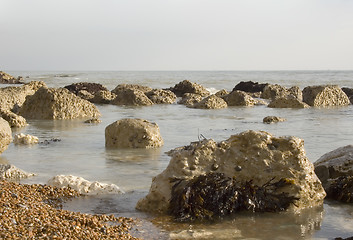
(131, 97)
(273, 91)
(325, 96)
(14, 97)
(103, 97)
(25, 139)
(222, 93)
(122, 87)
(239, 98)
(8, 171)
(273, 119)
(8, 79)
(5, 135)
(349, 93)
(92, 88)
(189, 87)
(190, 99)
(57, 103)
(13, 119)
(133, 133)
(251, 155)
(250, 86)
(159, 96)
(287, 102)
(82, 185)
(296, 92)
(211, 102)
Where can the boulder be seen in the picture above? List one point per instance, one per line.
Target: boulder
(325, 96)
(133, 133)
(83, 186)
(57, 103)
(188, 87)
(222, 93)
(103, 97)
(93, 121)
(122, 87)
(85, 95)
(190, 99)
(159, 96)
(25, 139)
(210, 102)
(287, 102)
(252, 156)
(131, 97)
(8, 79)
(250, 86)
(11, 98)
(273, 91)
(239, 98)
(273, 119)
(296, 92)
(10, 172)
(13, 119)
(349, 93)
(92, 88)
(5, 135)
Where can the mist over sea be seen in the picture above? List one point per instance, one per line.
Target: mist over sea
(81, 151)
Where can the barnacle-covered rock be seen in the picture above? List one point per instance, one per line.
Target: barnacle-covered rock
(57, 103)
(239, 98)
(159, 96)
(189, 87)
(210, 102)
(325, 96)
(254, 156)
(5, 135)
(133, 133)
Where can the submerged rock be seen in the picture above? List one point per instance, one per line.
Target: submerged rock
(250, 86)
(8, 171)
(189, 87)
(252, 156)
(5, 135)
(133, 133)
(210, 102)
(325, 96)
(239, 98)
(287, 102)
(25, 139)
(273, 119)
(82, 185)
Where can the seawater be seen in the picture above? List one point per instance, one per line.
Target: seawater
(81, 151)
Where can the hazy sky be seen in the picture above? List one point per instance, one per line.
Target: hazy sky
(176, 34)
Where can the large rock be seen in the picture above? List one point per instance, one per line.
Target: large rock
(250, 86)
(239, 98)
(13, 119)
(103, 97)
(92, 88)
(10, 172)
(210, 102)
(349, 93)
(252, 156)
(8, 79)
(273, 91)
(189, 87)
(131, 97)
(5, 135)
(325, 96)
(287, 102)
(122, 87)
(57, 103)
(159, 96)
(190, 99)
(133, 133)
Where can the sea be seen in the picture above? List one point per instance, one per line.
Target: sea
(81, 150)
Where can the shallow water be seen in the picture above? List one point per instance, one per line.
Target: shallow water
(81, 151)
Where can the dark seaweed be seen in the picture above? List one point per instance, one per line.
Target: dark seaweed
(341, 189)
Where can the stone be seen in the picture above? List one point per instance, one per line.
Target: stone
(254, 156)
(189, 87)
(85, 95)
(6, 78)
(92, 88)
(273, 119)
(210, 102)
(57, 103)
(131, 97)
(133, 133)
(122, 87)
(25, 139)
(250, 86)
(103, 97)
(83, 186)
(325, 96)
(5, 135)
(349, 93)
(239, 98)
(287, 102)
(93, 120)
(296, 92)
(222, 93)
(159, 96)
(190, 99)
(273, 91)
(15, 121)
(10, 172)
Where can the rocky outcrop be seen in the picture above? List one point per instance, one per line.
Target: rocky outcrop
(252, 156)
(273, 91)
(25, 139)
(190, 99)
(10, 172)
(273, 119)
(57, 103)
(133, 133)
(210, 102)
(222, 93)
(11, 98)
(5, 135)
(131, 97)
(103, 97)
(325, 96)
(250, 86)
(189, 87)
(122, 87)
(13, 119)
(349, 93)
(92, 88)
(159, 96)
(83, 186)
(8, 79)
(239, 98)
(287, 102)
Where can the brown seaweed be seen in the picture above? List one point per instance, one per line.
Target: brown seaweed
(214, 196)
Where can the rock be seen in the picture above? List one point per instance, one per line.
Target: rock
(210, 102)
(82, 185)
(8, 171)
(287, 102)
(159, 96)
(93, 120)
(188, 87)
(122, 87)
(85, 95)
(92, 88)
(13, 119)
(252, 156)
(341, 189)
(8, 79)
(12, 98)
(131, 97)
(349, 93)
(5, 135)
(325, 96)
(25, 139)
(133, 133)
(190, 99)
(296, 92)
(103, 97)
(250, 86)
(273, 119)
(57, 103)
(273, 91)
(222, 93)
(239, 98)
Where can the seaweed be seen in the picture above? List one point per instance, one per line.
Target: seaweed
(341, 189)
(213, 196)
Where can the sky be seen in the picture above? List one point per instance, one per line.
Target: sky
(152, 35)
